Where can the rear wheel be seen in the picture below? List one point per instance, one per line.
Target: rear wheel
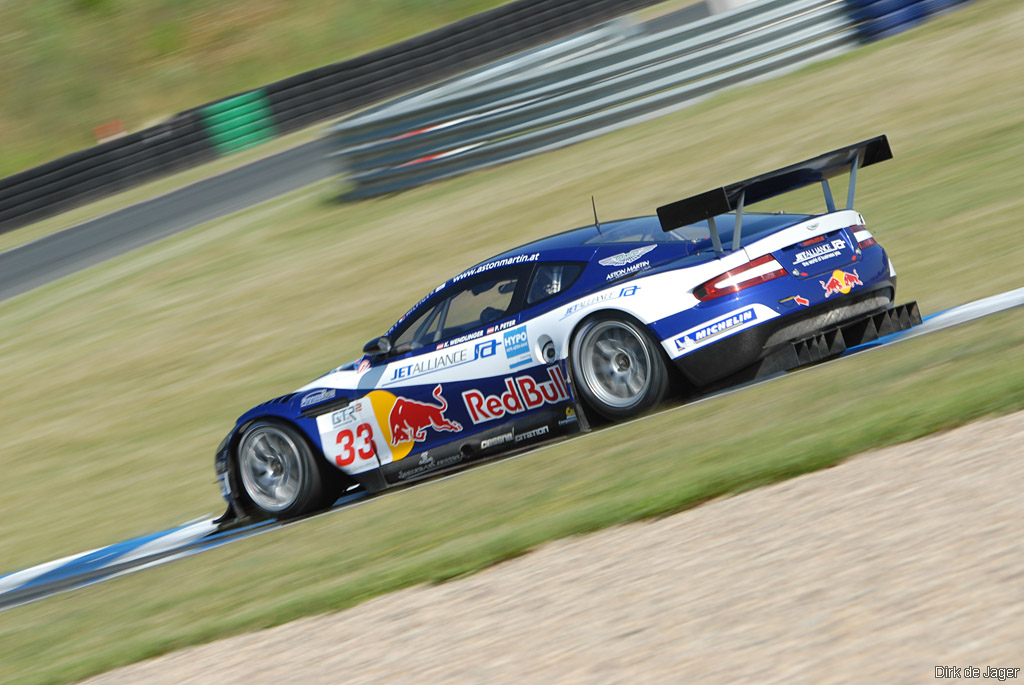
(279, 470)
(619, 369)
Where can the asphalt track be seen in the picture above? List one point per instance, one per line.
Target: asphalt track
(59, 254)
(80, 570)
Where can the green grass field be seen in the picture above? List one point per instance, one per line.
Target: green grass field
(120, 380)
(67, 66)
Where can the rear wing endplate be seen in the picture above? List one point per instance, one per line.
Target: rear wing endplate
(734, 196)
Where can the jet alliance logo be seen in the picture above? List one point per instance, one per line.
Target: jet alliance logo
(624, 258)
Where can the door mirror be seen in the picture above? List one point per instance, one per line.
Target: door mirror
(378, 346)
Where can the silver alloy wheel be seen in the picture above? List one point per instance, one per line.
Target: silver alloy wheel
(615, 363)
(272, 468)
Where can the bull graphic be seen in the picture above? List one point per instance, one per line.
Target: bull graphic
(840, 282)
(410, 419)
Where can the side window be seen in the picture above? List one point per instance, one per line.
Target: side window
(465, 308)
(423, 330)
(551, 279)
(484, 303)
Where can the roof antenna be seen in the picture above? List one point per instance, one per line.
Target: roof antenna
(597, 224)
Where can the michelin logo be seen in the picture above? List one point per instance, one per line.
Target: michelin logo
(701, 335)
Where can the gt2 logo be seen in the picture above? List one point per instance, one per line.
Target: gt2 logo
(345, 415)
(357, 443)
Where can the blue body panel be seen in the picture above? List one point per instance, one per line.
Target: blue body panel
(535, 401)
(871, 266)
(528, 399)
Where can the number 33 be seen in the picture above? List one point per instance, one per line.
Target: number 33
(358, 444)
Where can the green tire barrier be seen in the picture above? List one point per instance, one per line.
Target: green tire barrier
(239, 122)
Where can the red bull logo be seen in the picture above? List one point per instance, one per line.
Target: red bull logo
(840, 282)
(521, 394)
(410, 419)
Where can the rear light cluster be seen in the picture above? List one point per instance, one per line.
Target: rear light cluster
(862, 237)
(760, 270)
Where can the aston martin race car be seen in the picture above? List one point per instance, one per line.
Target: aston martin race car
(596, 324)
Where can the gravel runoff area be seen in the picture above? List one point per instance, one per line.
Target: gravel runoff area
(878, 570)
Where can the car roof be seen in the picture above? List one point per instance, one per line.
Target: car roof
(581, 244)
(643, 229)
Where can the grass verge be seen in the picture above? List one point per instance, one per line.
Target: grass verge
(650, 467)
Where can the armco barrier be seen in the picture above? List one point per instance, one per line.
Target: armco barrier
(225, 126)
(877, 19)
(424, 138)
(498, 115)
(346, 86)
(127, 161)
(239, 122)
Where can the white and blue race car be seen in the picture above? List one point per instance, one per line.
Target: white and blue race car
(592, 325)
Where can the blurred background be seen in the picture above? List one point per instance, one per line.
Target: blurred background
(315, 169)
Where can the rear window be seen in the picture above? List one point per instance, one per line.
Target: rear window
(552, 278)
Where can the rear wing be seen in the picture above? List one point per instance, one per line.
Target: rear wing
(732, 197)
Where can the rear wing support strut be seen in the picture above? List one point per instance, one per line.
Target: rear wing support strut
(853, 184)
(716, 240)
(830, 202)
(733, 197)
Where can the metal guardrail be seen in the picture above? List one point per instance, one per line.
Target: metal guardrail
(545, 98)
(536, 107)
(240, 120)
(623, 77)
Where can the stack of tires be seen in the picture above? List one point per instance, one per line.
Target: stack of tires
(877, 19)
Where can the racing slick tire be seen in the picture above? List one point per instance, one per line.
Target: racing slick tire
(279, 471)
(619, 369)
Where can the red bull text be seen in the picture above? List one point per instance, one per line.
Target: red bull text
(522, 393)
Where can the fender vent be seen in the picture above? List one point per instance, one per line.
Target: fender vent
(283, 399)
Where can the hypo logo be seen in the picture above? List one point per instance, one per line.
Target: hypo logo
(517, 347)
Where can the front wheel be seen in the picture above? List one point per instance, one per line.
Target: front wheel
(279, 471)
(619, 369)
